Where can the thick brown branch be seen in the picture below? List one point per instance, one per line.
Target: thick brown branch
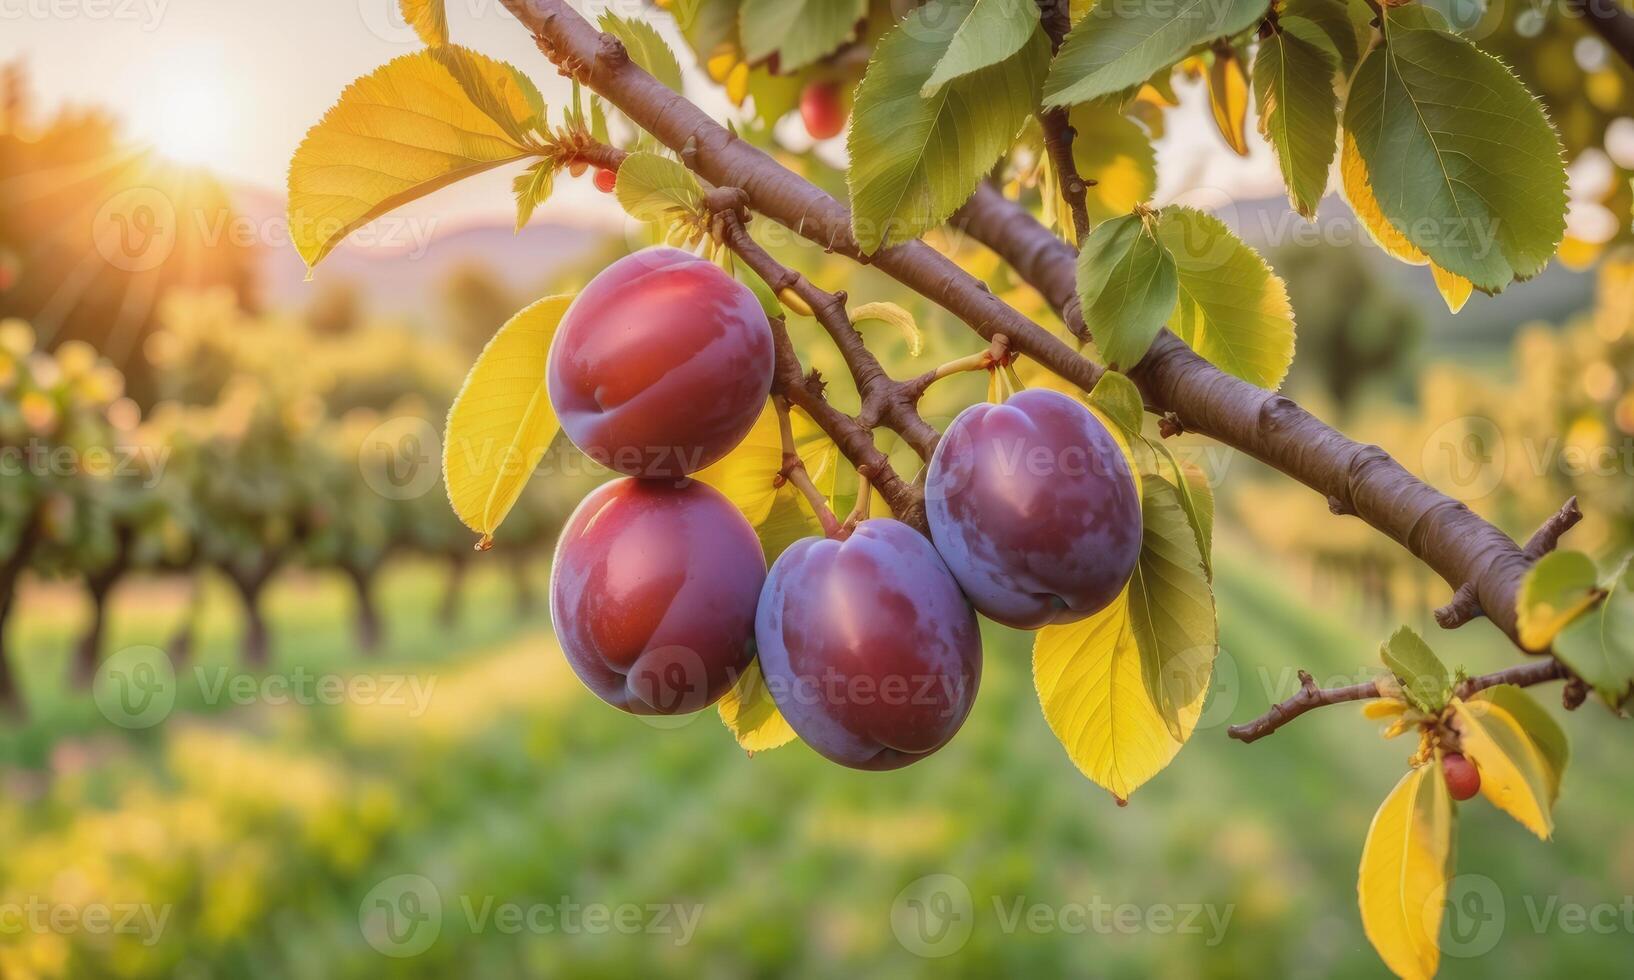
(1614, 23)
(1464, 606)
(1361, 480)
(1311, 697)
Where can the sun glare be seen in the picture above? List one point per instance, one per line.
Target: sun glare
(191, 121)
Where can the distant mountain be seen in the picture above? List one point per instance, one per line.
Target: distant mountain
(401, 276)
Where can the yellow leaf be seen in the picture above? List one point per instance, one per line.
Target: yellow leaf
(1116, 153)
(429, 20)
(1406, 861)
(1383, 708)
(1228, 100)
(752, 716)
(896, 316)
(748, 473)
(1358, 192)
(1094, 696)
(396, 135)
(502, 421)
(1519, 750)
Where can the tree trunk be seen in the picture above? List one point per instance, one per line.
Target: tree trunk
(449, 614)
(87, 655)
(180, 646)
(256, 643)
(368, 617)
(11, 570)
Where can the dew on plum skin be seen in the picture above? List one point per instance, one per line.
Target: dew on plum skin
(868, 647)
(661, 365)
(653, 594)
(1034, 509)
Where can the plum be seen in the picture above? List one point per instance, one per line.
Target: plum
(661, 365)
(822, 109)
(653, 594)
(1034, 509)
(1463, 779)
(867, 646)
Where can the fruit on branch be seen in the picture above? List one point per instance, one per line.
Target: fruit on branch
(606, 180)
(1034, 509)
(653, 594)
(661, 365)
(822, 108)
(1463, 779)
(868, 647)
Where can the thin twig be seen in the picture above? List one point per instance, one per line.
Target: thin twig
(794, 471)
(1058, 131)
(1310, 696)
(1464, 606)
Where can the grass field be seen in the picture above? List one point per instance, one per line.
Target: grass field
(502, 822)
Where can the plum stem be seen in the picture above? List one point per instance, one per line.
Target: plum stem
(794, 470)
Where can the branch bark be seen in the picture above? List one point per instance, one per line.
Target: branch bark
(1615, 25)
(1356, 479)
(1311, 697)
(1058, 132)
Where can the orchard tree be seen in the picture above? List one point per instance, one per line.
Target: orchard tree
(1168, 323)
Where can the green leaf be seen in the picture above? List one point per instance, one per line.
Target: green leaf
(646, 47)
(1113, 151)
(1127, 287)
(1298, 112)
(1116, 397)
(1196, 496)
(799, 31)
(896, 316)
(1121, 44)
(1332, 18)
(914, 160)
(1171, 606)
(763, 291)
(1232, 310)
(396, 135)
(656, 189)
(1461, 157)
(988, 32)
(1600, 647)
(1559, 588)
(1424, 678)
(532, 188)
(428, 18)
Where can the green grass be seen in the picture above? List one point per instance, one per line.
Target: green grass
(269, 825)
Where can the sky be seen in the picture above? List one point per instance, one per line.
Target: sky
(234, 84)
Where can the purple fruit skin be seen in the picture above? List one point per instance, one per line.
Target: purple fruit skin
(661, 365)
(1033, 508)
(868, 647)
(653, 594)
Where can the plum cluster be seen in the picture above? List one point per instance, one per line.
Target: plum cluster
(869, 642)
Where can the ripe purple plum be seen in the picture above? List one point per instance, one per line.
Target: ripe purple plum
(653, 594)
(1034, 509)
(661, 365)
(868, 647)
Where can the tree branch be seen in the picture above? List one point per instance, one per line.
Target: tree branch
(1464, 606)
(1058, 131)
(1614, 23)
(1311, 697)
(1360, 480)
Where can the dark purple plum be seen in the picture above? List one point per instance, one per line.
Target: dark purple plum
(661, 365)
(868, 647)
(1034, 509)
(653, 594)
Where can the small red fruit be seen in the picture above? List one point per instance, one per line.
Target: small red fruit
(823, 109)
(1463, 779)
(606, 180)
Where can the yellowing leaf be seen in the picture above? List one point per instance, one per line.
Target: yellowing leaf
(1171, 606)
(1406, 862)
(1455, 290)
(747, 474)
(532, 188)
(1228, 101)
(1091, 678)
(1520, 751)
(1233, 310)
(502, 421)
(751, 715)
(1113, 151)
(1383, 708)
(1560, 587)
(897, 317)
(396, 135)
(428, 18)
